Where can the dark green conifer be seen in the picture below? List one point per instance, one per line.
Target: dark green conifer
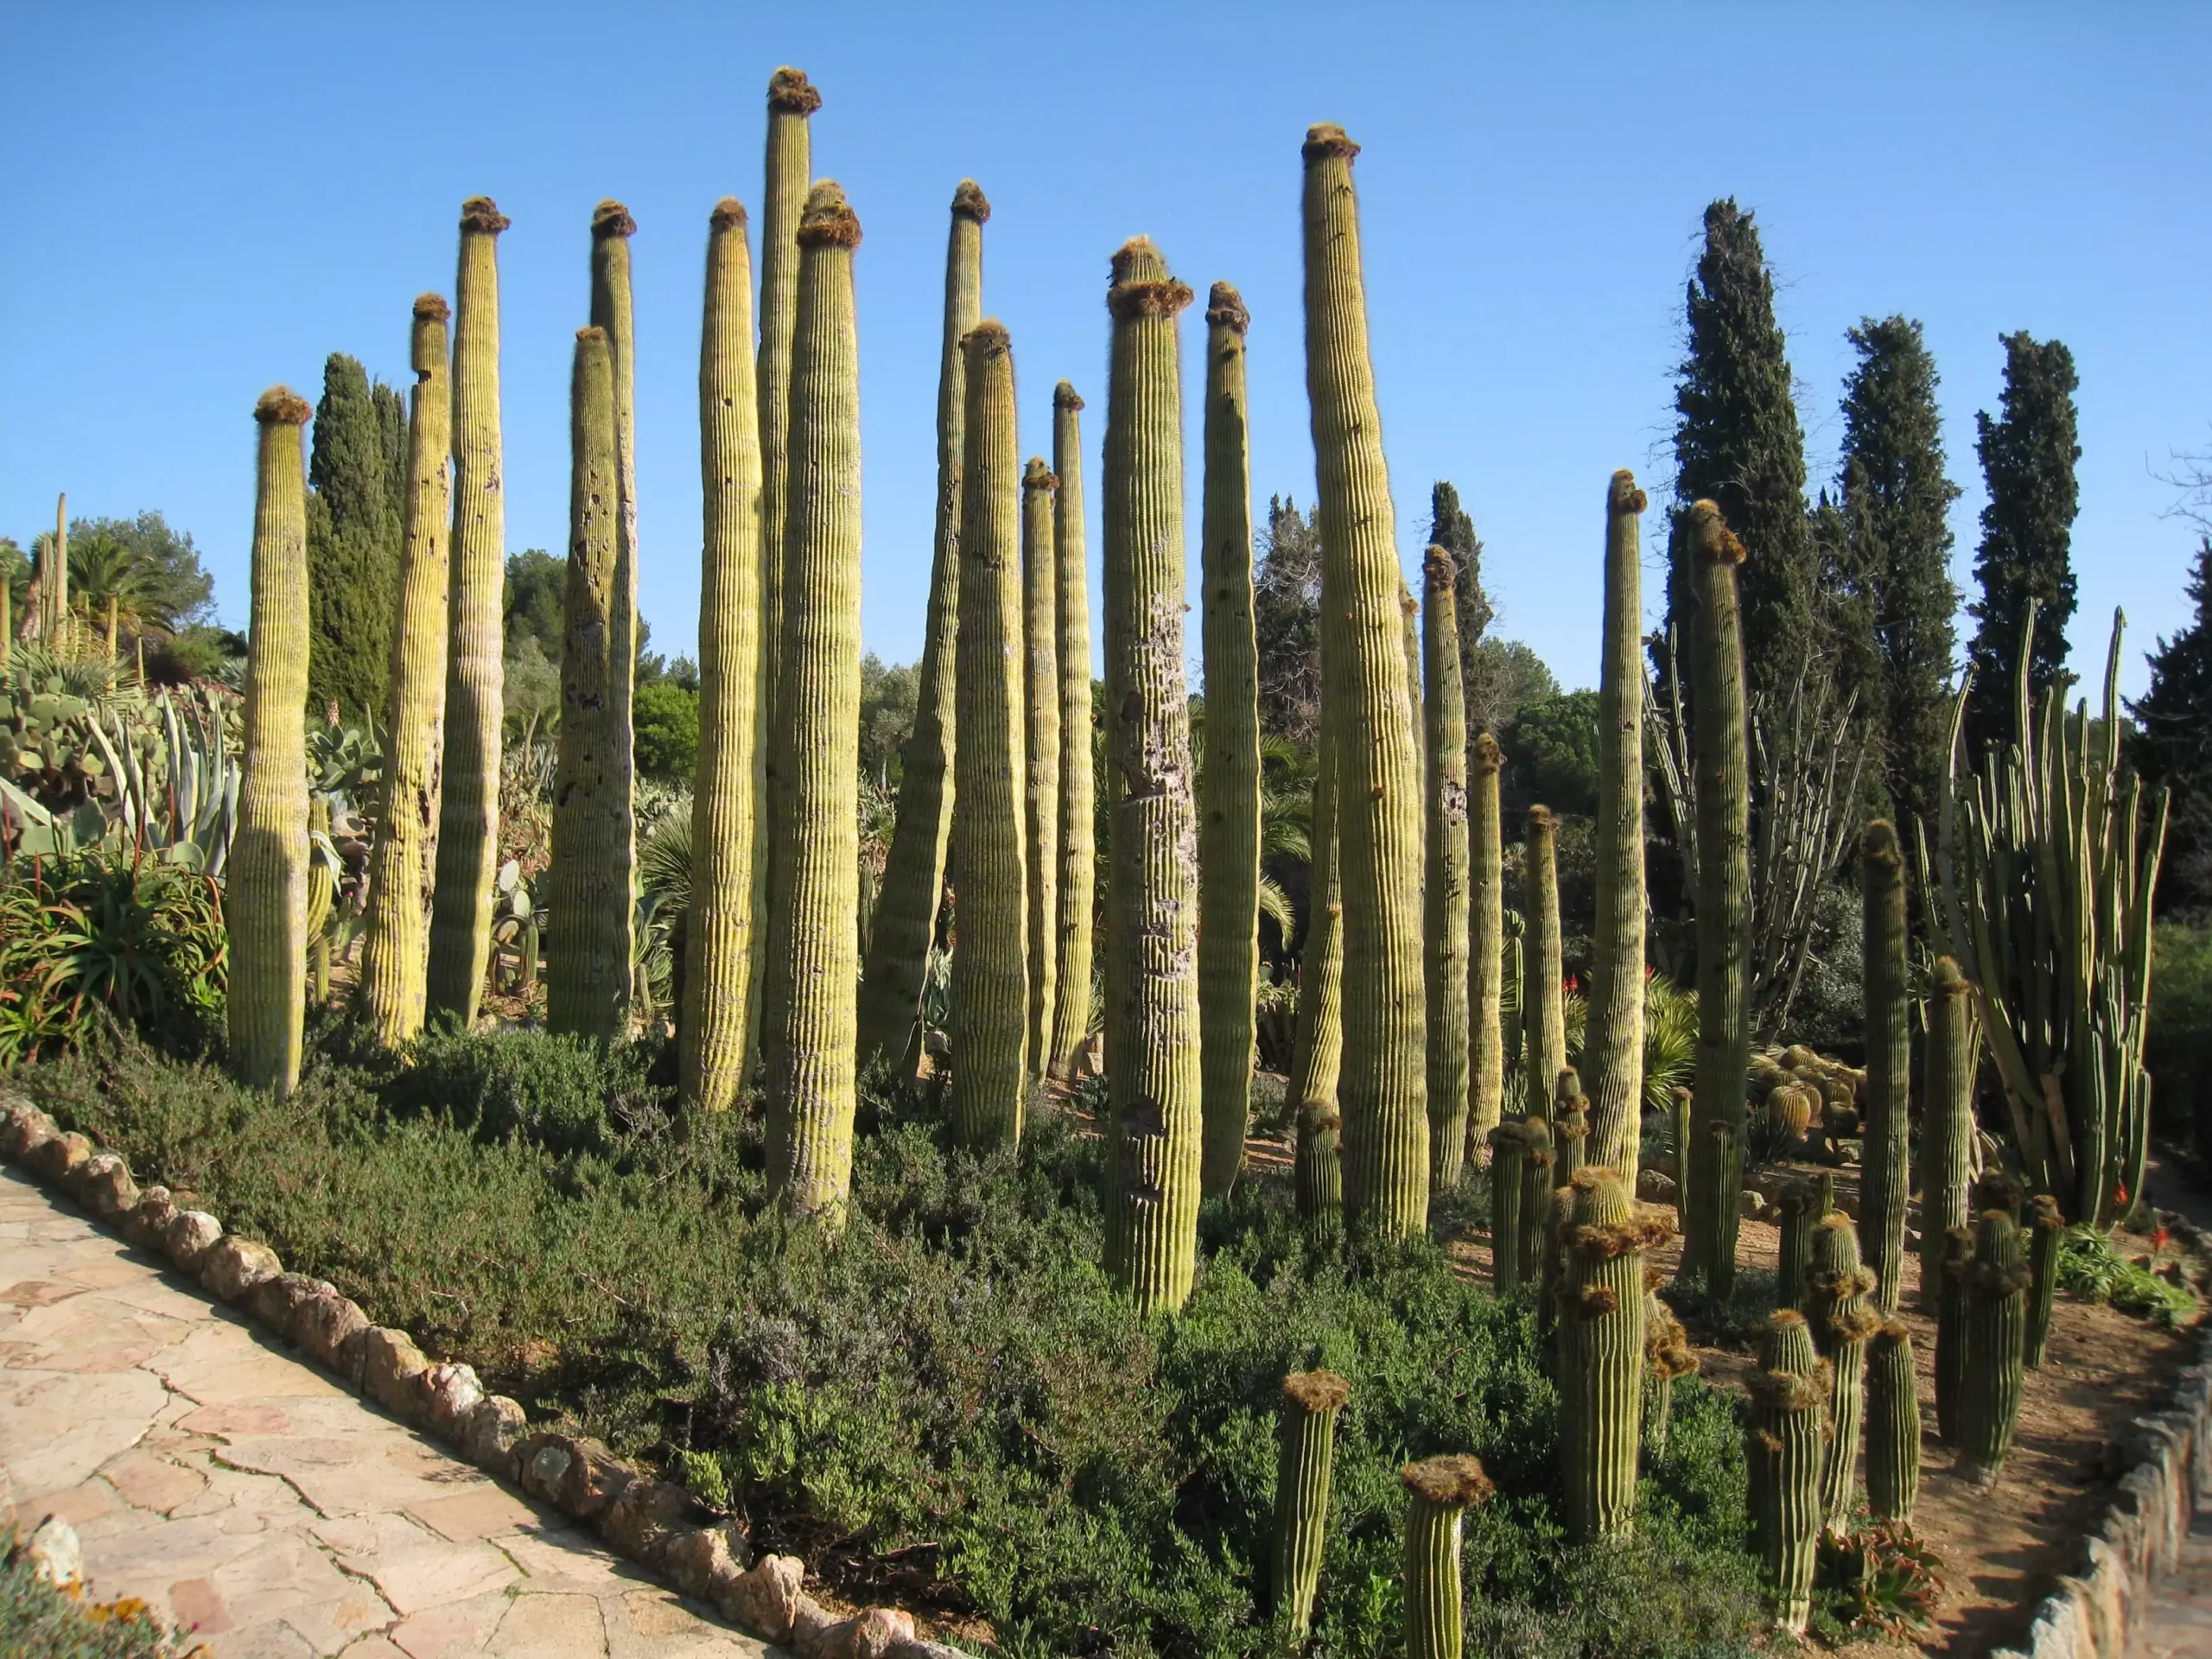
(1451, 529)
(353, 545)
(2173, 747)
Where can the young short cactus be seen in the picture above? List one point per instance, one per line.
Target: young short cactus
(811, 777)
(1440, 1491)
(1946, 1127)
(1892, 1425)
(1508, 1144)
(1543, 987)
(1785, 1440)
(1383, 1072)
(1539, 1162)
(1993, 1347)
(1040, 584)
(1444, 892)
(1570, 1125)
(1320, 1168)
(1613, 1050)
(2045, 1225)
(1885, 1180)
(1837, 1289)
(1680, 1116)
(1079, 852)
(266, 894)
(1950, 1329)
(1306, 1439)
(1667, 1356)
(1152, 992)
(990, 1005)
(1799, 1203)
(1601, 1353)
(1486, 1042)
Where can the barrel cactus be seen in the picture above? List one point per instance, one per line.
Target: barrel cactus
(1440, 1491)
(1306, 1433)
(1784, 1439)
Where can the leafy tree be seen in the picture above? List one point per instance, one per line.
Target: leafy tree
(352, 546)
(1894, 503)
(1286, 620)
(665, 717)
(2174, 745)
(531, 690)
(391, 430)
(1503, 676)
(16, 571)
(537, 587)
(2027, 458)
(152, 571)
(1551, 756)
(889, 694)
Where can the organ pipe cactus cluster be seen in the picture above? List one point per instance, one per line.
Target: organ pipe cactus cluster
(1543, 984)
(395, 945)
(1508, 1154)
(1837, 1289)
(714, 1029)
(1078, 830)
(1892, 1424)
(1440, 1491)
(1486, 1044)
(913, 872)
(1383, 1069)
(265, 896)
(612, 228)
(2045, 1224)
(1307, 1431)
(1601, 1353)
(1947, 1125)
(1613, 1050)
(1040, 584)
(1444, 889)
(1993, 1340)
(813, 766)
(1153, 1087)
(1884, 1181)
(468, 802)
(1668, 1355)
(990, 1004)
(1229, 807)
(1785, 1440)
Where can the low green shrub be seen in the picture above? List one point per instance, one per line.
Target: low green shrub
(2093, 1269)
(36, 1618)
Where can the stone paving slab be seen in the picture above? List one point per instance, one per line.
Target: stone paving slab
(236, 1489)
(2176, 1621)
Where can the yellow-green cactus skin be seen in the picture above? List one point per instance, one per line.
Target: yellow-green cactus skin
(1486, 1041)
(1612, 1052)
(1601, 1353)
(1307, 1431)
(1785, 1439)
(1885, 1180)
(1543, 984)
(1078, 831)
(1439, 1492)
(1444, 897)
(1317, 1050)
(1947, 1126)
(612, 227)
(1040, 583)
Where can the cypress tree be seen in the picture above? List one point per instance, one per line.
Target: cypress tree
(1739, 445)
(2027, 460)
(2174, 748)
(1287, 620)
(1894, 500)
(392, 435)
(353, 545)
(1451, 529)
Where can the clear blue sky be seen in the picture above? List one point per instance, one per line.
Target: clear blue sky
(206, 199)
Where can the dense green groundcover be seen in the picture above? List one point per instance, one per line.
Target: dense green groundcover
(40, 1621)
(947, 1400)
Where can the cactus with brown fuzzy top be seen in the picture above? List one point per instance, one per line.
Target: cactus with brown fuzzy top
(1486, 1042)
(1885, 1180)
(1543, 974)
(1440, 1491)
(1947, 1125)
(1612, 1049)
(2045, 1223)
(1307, 1438)
(1077, 832)
(1800, 1204)
(1992, 1343)
(265, 891)
(396, 943)
(1040, 584)
(1318, 1168)
(1950, 1328)
(1668, 1355)
(1892, 1425)
(1784, 1439)
(1838, 1307)
(1508, 1144)
(1570, 1125)
(1601, 1353)
(1444, 890)
(1538, 1161)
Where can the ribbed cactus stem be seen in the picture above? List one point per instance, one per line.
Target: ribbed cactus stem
(1892, 1425)
(812, 768)
(914, 868)
(991, 1000)
(1950, 1329)
(1601, 1353)
(1078, 826)
(1838, 1289)
(1613, 1050)
(1539, 1162)
(612, 228)
(1438, 1490)
(1724, 902)
(1229, 807)
(1151, 991)
(1785, 1440)
(1444, 886)
(54, 579)
(587, 947)
(1409, 626)
(2045, 1224)
(1946, 1127)
(396, 941)
(1668, 1355)
(1486, 1040)
(1319, 1167)
(1040, 581)
(1384, 1067)
(1543, 992)
(1570, 1124)
(1884, 1180)
(265, 892)
(1508, 1144)
(1317, 1050)
(1992, 1346)
(1800, 1204)
(1306, 1434)
(715, 1029)
(468, 802)
(322, 894)
(1680, 1116)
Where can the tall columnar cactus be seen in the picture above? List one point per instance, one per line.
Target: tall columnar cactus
(1319, 1166)
(1993, 1345)
(1486, 1043)
(990, 1001)
(1317, 1052)
(1784, 1439)
(1680, 1114)
(791, 100)
(1570, 1125)
(1307, 1438)
(1152, 991)
(1078, 830)
(1444, 888)
(2045, 1224)
(1947, 1126)
(1843, 1319)
(1383, 1072)
(813, 773)
(1892, 1425)
(1539, 1160)
(612, 228)
(587, 948)
(1409, 625)
(1509, 1154)
(1601, 1353)
(266, 894)
(1884, 1181)
(1668, 1355)
(914, 870)
(1543, 984)
(54, 579)
(1724, 900)
(1040, 577)
(468, 801)
(1440, 1491)
(1229, 808)
(1800, 1204)
(1950, 1329)
(714, 1035)
(1613, 1052)
(396, 943)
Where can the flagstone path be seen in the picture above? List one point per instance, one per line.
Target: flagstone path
(238, 1490)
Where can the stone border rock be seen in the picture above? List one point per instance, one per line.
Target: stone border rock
(653, 1522)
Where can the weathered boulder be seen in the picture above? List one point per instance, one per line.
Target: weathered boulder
(643, 1521)
(390, 1363)
(489, 1434)
(1653, 1187)
(150, 1217)
(236, 1265)
(447, 1392)
(276, 1303)
(765, 1599)
(55, 1554)
(323, 1325)
(577, 1475)
(705, 1562)
(189, 1237)
(58, 1157)
(22, 1129)
(103, 1186)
